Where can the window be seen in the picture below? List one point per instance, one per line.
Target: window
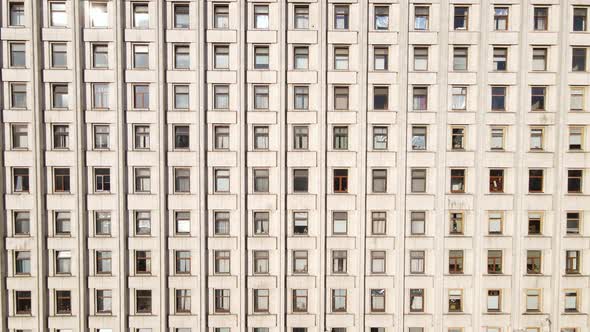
(182, 180)
(61, 134)
(141, 16)
(100, 96)
(535, 223)
(535, 180)
(59, 55)
(260, 16)
(18, 95)
(457, 180)
(183, 301)
(142, 180)
(102, 180)
(460, 58)
(380, 58)
(378, 300)
(461, 18)
(261, 57)
(341, 16)
(338, 300)
(57, 14)
(181, 16)
(381, 15)
(419, 137)
(221, 16)
(458, 138)
(380, 98)
(182, 222)
(221, 137)
(498, 98)
(59, 96)
(494, 261)
(493, 300)
(340, 140)
(300, 223)
(420, 98)
(341, 98)
(63, 302)
(574, 180)
(497, 138)
(340, 180)
(143, 262)
(20, 180)
(421, 18)
(301, 97)
(103, 223)
(221, 221)
(20, 136)
(571, 301)
(221, 56)
(539, 59)
(261, 97)
(417, 222)
(63, 262)
(222, 261)
(455, 261)
(142, 137)
(341, 56)
(22, 300)
(580, 18)
(455, 300)
(496, 180)
(183, 262)
(501, 18)
(301, 16)
(339, 260)
(300, 261)
(572, 261)
(533, 261)
(300, 180)
(261, 262)
(339, 223)
(221, 97)
(100, 56)
(572, 223)
(221, 180)
(500, 58)
(577, 96)
(143, 301)
(141, 97)
(17, 14)
(536, 138)
(61, 179)
(301, 57)
(22, 262)
(181, 97)
(103, 262)
(261, 180)
(261, 300)
(104, 301)
(456, 223)
(380, 135)
(417, 300)
(300, 137)
(578, 59)
(22, 223)
(459, 98)
(538, 98)
(379, 183)
(141, 59)
(62, 223)
(300, 300)
(222, 300)
(417, 262)
(182, 57)
(261, 137)
(181, 137)
(540, 17)
(418, 180)
(420, 58)
(143, 223)
(378, 261)
(533, 300)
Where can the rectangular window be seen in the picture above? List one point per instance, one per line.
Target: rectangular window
(533, 261)
(300, 180)
(61, 136)
(22, 223)
(461, 18)
(339, 261)
(500, 58)
(493, 300)
(182, 222)
(101, 137)
(379, 184)
(143, 222)
(420, 98)
(494, 261)
(18, 95)
(181, 137)
(221, 97)
(142, 137)
(100, 96)
(301, 97)
(420, 58)
(455, 261)
(63, 302)
(300, 137)
(301, 57)
(340, 180)
(141, 16)
(540, 18)
(340, 139)
(17, 14)
(381, 15)
(104, 301)
(533, 300)
(183, 262)
(221, 57)
(181, 97)
(380, 135)
(501, 18)
(341, 16)
(103, 262)
(538, 94)
(20, 180)
(22, 300)
(63, 223)
(380, 58)
(221, 16)
(182, 57)
(100, 56)
(261, 137)
(378, 223)
(182, 180)
(143, 262)
(183, 301)
(571, 301)
(535, 180)
(418, 180)
(143, 301)
(536, 138)
(338, 300)
(579, 59)
(497, 138)
(341, 98)
(261, 300)
(459, 98)
(421, 18)
(102, 180)
(498, 98)
(141, 57)
(417, 222)
(495, 222)
(455, 300)
(535, 223)
(457, 180)
(378, 261)
(59, 55)
(63, 262)
(458, 138)
(577, 96)
(574, 181)
(261, 180)
(261, 57)
(141, 97)
(261, 17)
(22, 262)
(377, 301)
(59, 96)
(539, 59)
(299, 300)
(142, 180)
(299, 261)
(416, 300)
(417, 263)
(300, 223)
(102, 221)
(222, 300)
(222, 261)
(496, 181)
(61, 179)
(380, 98)
(460, 58)
(339, 223)
(261, 97)
(181, 16)
(261, 261)
(301, 16)
(221, 139)
(580, 19)
(221, 220)
(221, 180)
(341, 55)
(572, 261)
(58, 16)
(573, 223)
(456, 223)
(20, 136)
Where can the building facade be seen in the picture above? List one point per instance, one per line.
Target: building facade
(301, 165)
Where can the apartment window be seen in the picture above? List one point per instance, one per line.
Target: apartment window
(103, 223)
(572, 261)
(183, 262)
(63, 302)
(455, 300)
(61, 179)
(181, 137)
(533, 261)
(338, 300)
(533, 300)
(580, 18)
(142, 137)
(417, 222)
(301, 16)
(141, 59)
(100, 96)
(341, 98)
(100, 56)
(498, 98)
(182, 222)
(421, 17)
(61, 136)
(535, 223)
(417, 300)
(181, 16)
(493, 300)
(419, 137)
(300, 180)
(261, 262)
(301, 98)
(221, 16)
(571, 301)
(455, 261)
(300, 137)
(339, 261)
(501, 18)
(379, 182)
(380, 58)
(574, 180)
(459, 98)
(341, 56)
(460, 58)
(420, 58)
(20, 136)
(221, 139)
(300, 223)
(222, 261)
(63, 262)
(59, 96)
(141, 15)
(535, 180)
(500, 58)
(58, 16)
(496, 180)
(182, 180)
(456, 223)
(221, 222)
(102, 180)
(20, 179)
(22, 223)
(300, 57)
(222, 180)
(62, 223)
(261, 137)
(221, 56)
(538, 98)
(536, 137)
(300, 300)
(16, 14)
(104, 301)
(141, 97)
(420, 98)
(260, 16)
(377, 300)
(142, 180)
(378, 223)
(577, 96)
(497, 138)
(261, 300)
(300, 261)
(261, 57)
(381, 17)
(539, 59)
(457, 180)
(181, 97)
(572, 223)
(341, 16)
(183, 301)
(18, 95)
(59, 55)
(461, 18)
(340, 180)
(222, 300)
(143, 262)
(458, 138)
(261, 97)
(378, 261)
(541, 18)
(182, 57)
(143, 301)
(578, 59)
(340, 140)
(380, 135)
(143, 223)
(22, 265)
(418, 180)
(339, 223)
(103, 262)
(417, 259)
(221, 97)
(101, 137)
(261, 180)
(380, 98)
(494, 261)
